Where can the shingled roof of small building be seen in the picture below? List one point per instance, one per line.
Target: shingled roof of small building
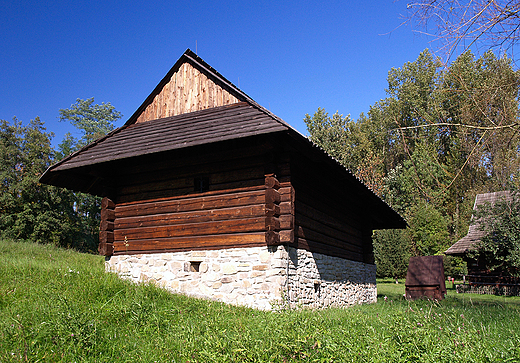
(475, 233)
(244, 118)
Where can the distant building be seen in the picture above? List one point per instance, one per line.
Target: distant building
(475, 234)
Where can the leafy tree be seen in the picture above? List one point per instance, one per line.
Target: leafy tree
(392, 251)
(93, 120)
(441, 136)
(428, 230)
(30, 210)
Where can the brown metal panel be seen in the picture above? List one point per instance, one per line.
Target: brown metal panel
(425, 277)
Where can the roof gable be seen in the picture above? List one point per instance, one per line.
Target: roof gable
(190, 85)
(475, 233)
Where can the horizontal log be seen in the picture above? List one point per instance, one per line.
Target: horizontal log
(306, 233)
(205, 155)
(272, 182)
(329, 219)
(197, 242)
(105, 225)
(193, 229)
(183, 192)
(286, 236)
(354, 238)
(272, 210)
(107, 203)
(108, 215)
(285, 194)
(272, 223)
(286, 208)
(176, 180)
(328, 250)
(106, 249)
(106, 237)
(272, 238)
(272, 196)
(187, 203)
(286, 221)
(199, 216)
(218, 168)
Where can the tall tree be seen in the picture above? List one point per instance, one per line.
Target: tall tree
(441, 136)
(492, 24)
(28, 209)
(93, 121)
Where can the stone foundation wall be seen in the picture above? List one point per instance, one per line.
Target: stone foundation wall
(320, 281)
(259, 277)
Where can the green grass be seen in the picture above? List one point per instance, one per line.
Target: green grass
(60, 306)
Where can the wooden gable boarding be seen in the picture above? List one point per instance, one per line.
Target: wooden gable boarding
(200, 165)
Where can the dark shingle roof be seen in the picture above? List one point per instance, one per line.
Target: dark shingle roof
(191, 129)
(475, 234)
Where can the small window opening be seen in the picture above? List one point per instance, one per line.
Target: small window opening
(201, 184)
(317, 286)
(194, 266)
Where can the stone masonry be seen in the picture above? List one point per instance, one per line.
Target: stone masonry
(258, 277)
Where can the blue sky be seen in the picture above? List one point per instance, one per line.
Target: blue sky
(290, 56)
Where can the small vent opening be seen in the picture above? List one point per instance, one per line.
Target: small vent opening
(201, 184)
(317, 288)
(194, 266)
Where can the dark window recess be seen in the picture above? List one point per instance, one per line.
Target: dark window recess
(201, 184)
(317, 288)
(194, 266)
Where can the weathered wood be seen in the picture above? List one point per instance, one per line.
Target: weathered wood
(328, 250)
(106, 225)
(199, 216)
(286, 221)
(272, 182)
(272, 238)
(309, 234)
(106, 236)
(355, 238)
(188, 83)
(108, 215)
(286, 208)
(272, 196)
(286, 236)
(305, 212)
(192, 242)
(105, 249)
(107, 203)
(272, 223)
(171, 193)
(193, 229)
(251, 196)
(183, 177)
(272, 210)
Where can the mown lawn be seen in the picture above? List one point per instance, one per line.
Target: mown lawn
(58, 305)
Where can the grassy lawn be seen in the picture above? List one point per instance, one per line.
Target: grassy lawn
(58, 305)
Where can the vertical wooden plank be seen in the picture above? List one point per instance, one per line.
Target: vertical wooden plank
(204, 86)
(185, 89)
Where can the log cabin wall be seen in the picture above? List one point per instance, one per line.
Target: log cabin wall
(204, 198)
(324, 216)
(188, 90)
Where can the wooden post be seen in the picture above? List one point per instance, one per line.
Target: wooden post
(106, 227)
